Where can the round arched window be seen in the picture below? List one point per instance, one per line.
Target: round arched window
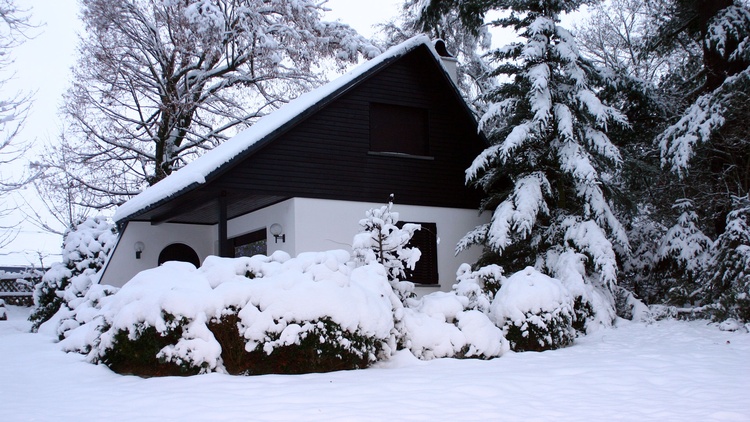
(179, 252)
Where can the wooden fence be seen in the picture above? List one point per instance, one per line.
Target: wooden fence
(18, 291)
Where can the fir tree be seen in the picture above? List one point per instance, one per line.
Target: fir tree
(728, 275)
(709, 138)
(708, 142)
(547, 173)
(645, 232)
(681, 257)
(382, 241)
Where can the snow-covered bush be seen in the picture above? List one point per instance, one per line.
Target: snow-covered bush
(381, 240)
(487, 314)
(630, 307)
(660, 312)
(728, 273)
(82, 311)
(593, 299)
(86, 245)
(3, 314)
(320, 346)
(586, 264)
(732, 324)
(479, 286)
(47, 300)
(315, 312)
(535, 311)
(143, 350)
(442, 325)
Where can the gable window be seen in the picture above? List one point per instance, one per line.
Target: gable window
(399, 130)
(253, 243)
(426, 240)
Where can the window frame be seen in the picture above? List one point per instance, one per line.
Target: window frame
(248, 238)
(399, 131)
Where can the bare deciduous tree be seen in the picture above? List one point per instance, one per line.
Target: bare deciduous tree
(159, 82)
(14, 25)
(616, 31)
(61, 200)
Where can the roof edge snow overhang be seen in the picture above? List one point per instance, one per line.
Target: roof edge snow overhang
(269, 128)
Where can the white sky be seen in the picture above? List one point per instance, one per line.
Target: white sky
(41, 66)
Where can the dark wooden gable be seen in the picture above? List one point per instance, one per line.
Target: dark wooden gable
(327, 154)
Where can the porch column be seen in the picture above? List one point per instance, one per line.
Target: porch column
(224, 250)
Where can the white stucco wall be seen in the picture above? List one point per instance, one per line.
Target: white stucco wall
(309, 225)
(326, 224)
(122, 264)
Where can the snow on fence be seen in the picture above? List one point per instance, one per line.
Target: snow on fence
(17, 291)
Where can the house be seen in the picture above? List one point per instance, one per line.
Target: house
(301, 178)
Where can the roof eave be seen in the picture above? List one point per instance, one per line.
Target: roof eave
(257, 146)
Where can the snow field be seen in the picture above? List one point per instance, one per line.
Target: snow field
(666, 371)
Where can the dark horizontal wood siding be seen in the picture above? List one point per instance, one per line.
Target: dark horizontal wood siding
(327, 155)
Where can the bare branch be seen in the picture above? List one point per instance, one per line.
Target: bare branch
(160, 82)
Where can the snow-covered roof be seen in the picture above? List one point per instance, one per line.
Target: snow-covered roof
(197, 172)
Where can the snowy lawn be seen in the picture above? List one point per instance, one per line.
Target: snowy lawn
(667, 371)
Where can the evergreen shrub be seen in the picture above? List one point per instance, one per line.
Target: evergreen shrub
(138, 352)
(86, 245)
(322, 346)
(48, 294)
(540, 331)
(313, 313)
(536, 312)
(582, 312)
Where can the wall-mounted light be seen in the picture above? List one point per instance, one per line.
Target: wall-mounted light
(139, 247)
(277, 232)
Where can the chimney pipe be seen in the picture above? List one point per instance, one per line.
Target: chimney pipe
(450, 63)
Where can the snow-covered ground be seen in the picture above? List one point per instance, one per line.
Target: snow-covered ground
(666, 371)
